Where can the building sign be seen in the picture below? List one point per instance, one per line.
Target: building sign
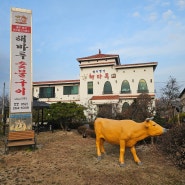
(99, 74)
(21, 63)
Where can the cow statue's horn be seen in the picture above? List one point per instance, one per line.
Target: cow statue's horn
(148, 119)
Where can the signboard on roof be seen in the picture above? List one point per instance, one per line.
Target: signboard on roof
(21, 63)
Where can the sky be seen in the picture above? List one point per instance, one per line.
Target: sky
(63, 30)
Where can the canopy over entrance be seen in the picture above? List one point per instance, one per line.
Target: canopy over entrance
(39, 105)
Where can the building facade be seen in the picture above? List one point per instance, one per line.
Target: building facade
(182, 100)
(103, 80)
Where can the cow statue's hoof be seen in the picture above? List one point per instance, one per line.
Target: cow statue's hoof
(99, 158)
(122, 165)
(139, 163)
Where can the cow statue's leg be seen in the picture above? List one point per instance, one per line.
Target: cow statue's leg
(136, 158)
(122, 153)
(102, 149)
(98, 146)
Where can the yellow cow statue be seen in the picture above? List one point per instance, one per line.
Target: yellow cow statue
(125, 133)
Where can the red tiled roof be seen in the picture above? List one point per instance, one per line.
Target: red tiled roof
(116, 97)
(98, 64)
(138, 65)
(98, 56)
(133, 96)
(109, 97)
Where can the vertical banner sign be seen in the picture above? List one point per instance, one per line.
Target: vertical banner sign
(20, 70)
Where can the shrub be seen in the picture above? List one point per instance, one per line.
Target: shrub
(91, 125)
(173, 144)
(82, 129)
(86, 131)
(74, 125)
(91, 133)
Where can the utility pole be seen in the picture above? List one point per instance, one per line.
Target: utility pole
(3, 106)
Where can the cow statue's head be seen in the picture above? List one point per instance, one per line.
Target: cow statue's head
(153, 128)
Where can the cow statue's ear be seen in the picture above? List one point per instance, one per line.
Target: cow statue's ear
(146, 123)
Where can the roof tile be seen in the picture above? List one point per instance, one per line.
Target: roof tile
(108, 97)
(97, 56)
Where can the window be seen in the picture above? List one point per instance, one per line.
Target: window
(125, 87)
(46, 92)
(70, 90)
(125, 106)
(107, 88)
(142, 86)
(90, 87)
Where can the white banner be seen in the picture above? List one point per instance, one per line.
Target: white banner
(21, 61)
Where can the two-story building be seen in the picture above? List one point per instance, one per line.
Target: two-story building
(182, 100)
(103, 80)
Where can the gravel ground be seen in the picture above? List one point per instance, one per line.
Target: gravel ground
(66, 158)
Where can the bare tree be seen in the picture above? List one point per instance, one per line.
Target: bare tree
(170, 93)
(171, 90)
(142, 107)
(105, 111)
(6, 102)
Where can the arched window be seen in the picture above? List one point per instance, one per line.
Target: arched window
(142, 86)
(125, 87)
(125, 106)
(107, 88)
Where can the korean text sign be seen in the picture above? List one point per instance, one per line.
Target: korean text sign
(20, 60)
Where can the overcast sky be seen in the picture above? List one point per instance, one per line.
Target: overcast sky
(64, 30)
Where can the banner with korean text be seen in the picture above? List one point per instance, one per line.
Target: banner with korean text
(20, 70)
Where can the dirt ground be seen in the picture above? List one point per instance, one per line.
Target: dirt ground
(66, 158)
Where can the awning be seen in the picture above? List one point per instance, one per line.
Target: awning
(39, 104)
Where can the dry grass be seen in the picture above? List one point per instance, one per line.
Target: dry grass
(68, 159)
